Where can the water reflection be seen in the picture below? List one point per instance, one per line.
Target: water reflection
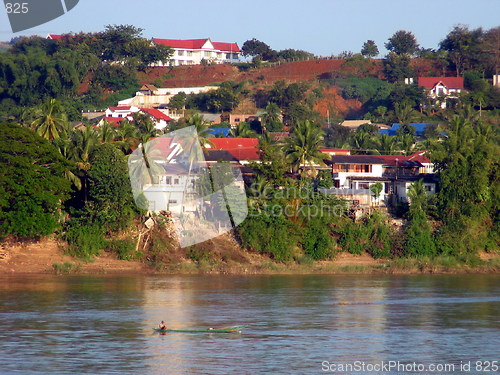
(103, 324)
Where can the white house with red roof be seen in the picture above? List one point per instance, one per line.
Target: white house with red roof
(115, 115)
(441, 88)
(54, 36)
(193, 51)
(245, 150)
(355, 174)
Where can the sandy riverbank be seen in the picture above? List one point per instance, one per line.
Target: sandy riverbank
(47, 257)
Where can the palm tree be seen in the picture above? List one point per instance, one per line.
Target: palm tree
(418, 196)
(64, 146)
(407, 142)
(302, 148)
(127, 135)
(361, 141)
(386, 144)
(84, 143)
(404, 113)
(49, 120)
(271, 115)
(145, 164)
(202, 129)
(145, 126)
(243, 130)
(106, 132)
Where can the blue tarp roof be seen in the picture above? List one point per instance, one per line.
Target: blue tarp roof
(219, 131)
(419, 128)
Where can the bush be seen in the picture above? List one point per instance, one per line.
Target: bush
(85, 241)
(419, 237)
(316, 240)
(124, 249)
(269, 234)
(372, 235)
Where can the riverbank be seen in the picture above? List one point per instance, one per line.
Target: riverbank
(47, 257)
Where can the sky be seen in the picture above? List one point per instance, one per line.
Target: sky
(322, 27)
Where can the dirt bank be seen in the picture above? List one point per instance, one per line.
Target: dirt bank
(47, 257)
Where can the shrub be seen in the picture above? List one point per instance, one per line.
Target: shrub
(316, 240)
(85, 241)
(124, 249)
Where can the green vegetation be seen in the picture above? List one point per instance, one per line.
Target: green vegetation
(73, 182)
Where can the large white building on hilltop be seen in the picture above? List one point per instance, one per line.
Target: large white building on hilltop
(193, 51)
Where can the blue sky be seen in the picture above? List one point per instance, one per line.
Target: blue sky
(323, 27)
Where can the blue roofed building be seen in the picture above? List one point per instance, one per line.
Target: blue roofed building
(419, 128)
(219, 132)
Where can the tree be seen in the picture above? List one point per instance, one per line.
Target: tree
(402, 43)
(257, 48)
(376, 189)
(110, 196)
(369, 49)
(178, 101)
(49, 120)
(301, 149)
(243, 130)
(32, 183)
(490, 49)
(404, 113)
(419, 240)
(271, 115)
(461, 45)
(397, 67)
(202, 129)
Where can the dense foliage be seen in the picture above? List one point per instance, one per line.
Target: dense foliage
(32, 183)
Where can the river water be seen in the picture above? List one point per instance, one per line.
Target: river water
(296, 324)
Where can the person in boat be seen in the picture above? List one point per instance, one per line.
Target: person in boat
(162, 325)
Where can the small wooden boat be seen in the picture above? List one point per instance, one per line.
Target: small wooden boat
(207, 330)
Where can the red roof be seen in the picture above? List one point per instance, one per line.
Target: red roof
(157, 114)
(234, 143)
(121, 108)
(114, 120)
(420, 157)
(335, 151)
(54, 36)
(226, 47)
(450, 82)
(197, 44)
(247, 153)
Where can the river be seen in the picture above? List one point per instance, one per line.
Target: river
(297, 324)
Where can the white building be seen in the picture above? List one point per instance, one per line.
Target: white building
(193, 51)
(357, 173)
(150, 96)
(117, 114)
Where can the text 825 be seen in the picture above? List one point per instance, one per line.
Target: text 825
(17, 8)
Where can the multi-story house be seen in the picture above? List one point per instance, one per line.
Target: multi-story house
(440, 89)
(354, 175)
(193, 51)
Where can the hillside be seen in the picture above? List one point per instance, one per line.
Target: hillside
(199, 75)
(313, 72)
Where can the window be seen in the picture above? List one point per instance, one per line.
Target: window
(363, 185)
(165, 180)
(235, 56)
(176, 181)
(219, 54)
(120, 115)
(428, 187)
(180, 53)
(189, 53)
(172, 201)
(228, 56)
(207, 54)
